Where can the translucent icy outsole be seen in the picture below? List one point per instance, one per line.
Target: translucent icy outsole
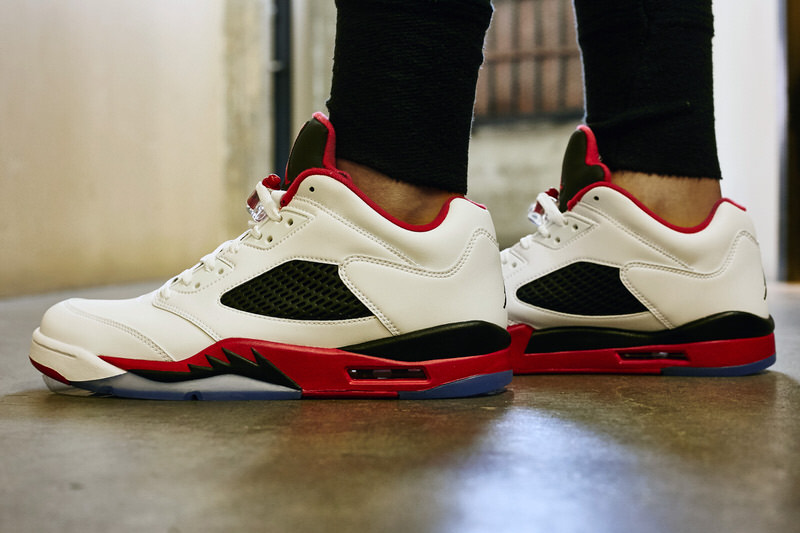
(238, 388)
(64, 389)
(724, 371)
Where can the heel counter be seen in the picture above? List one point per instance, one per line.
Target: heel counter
(407, 298)
(752, 283)
(676, 296)
(486, 269)
(744, 256)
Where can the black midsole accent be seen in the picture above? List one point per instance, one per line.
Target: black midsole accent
(722, 326)
(461, 339)
(262, 370)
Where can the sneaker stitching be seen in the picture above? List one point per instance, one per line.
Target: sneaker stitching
(723, 267)
(639, 237)
(123, 328)
(369, 235)
(420, 271)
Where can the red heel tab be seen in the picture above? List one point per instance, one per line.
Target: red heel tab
(592, 152)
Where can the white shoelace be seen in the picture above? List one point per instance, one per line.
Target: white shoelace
(549, 215)
(266, 210)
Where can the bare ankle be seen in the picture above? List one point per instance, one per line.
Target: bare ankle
(681, 201)
(410, 203)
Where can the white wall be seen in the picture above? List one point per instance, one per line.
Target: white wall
(130, 133)
(750, 104)
(313, 35)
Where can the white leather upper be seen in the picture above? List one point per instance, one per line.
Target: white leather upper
(679, 276)
(409, 279)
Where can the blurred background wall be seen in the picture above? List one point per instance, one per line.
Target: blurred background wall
(132, 130)
(129, 131)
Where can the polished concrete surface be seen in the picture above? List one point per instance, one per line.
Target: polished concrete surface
(552, 454)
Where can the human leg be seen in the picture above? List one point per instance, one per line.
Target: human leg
(649, 101)
(401, 100)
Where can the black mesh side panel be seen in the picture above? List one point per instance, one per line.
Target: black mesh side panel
(300, 290)
(582, 289)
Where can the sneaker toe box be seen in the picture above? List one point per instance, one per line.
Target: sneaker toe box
(120, 328)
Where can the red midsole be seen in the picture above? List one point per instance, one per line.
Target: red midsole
(49, 372)
(326, 371)
(705, 354)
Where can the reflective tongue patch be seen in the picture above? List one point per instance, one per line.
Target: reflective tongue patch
(254, 207)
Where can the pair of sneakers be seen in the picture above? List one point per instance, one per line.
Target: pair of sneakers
(327, 295)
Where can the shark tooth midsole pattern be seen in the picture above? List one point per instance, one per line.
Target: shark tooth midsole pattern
(259, 369)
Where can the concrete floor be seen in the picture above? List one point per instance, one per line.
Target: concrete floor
(552, 454)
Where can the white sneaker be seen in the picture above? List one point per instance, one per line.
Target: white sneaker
(325, 295)
(605, 285)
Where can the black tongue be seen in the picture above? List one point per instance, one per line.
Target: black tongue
(310, 147)
(581, 166)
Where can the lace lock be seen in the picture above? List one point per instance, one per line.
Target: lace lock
(536, 211)
(254, 207)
